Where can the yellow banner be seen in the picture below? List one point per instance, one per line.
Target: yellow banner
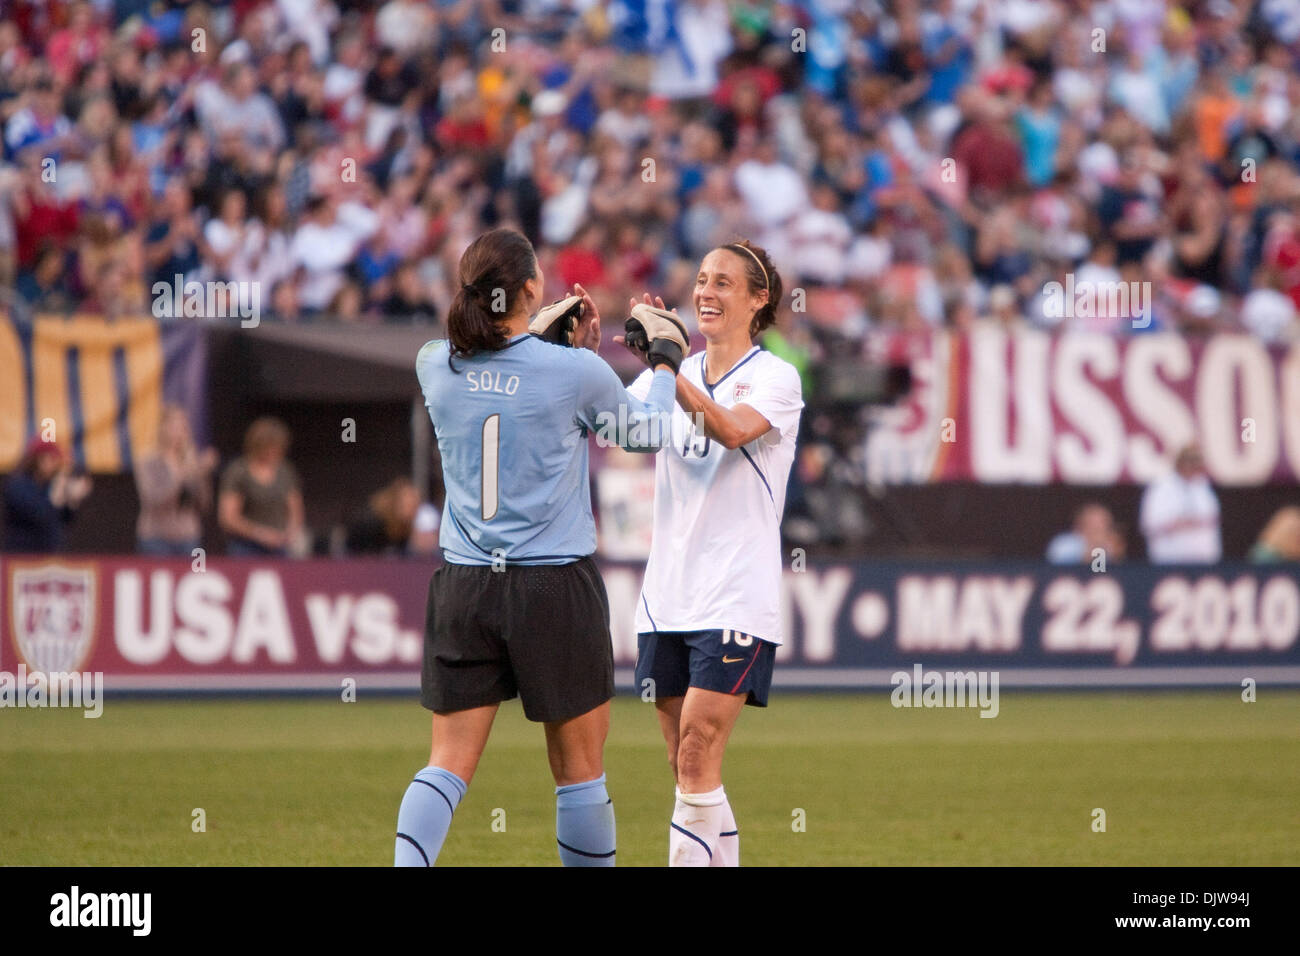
(77, 389)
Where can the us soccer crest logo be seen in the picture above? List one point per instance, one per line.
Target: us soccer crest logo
(52, 608)
(742, 390)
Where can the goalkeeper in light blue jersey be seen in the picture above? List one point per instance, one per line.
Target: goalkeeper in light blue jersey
(512, 429)
(518, 608)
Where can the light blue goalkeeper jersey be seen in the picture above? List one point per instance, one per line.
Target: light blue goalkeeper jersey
(512, 431)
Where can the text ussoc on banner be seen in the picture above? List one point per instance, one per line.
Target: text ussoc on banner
(1032, 408)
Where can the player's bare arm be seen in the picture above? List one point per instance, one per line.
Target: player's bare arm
(733, 427)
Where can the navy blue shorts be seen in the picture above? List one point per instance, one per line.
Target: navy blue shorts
(726, 661)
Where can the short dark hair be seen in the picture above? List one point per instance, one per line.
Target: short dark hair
(492, 274)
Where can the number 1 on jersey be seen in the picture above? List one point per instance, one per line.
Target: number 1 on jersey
(491, 465)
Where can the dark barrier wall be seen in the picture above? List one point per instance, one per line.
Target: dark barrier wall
(941, 521)
(255, 625)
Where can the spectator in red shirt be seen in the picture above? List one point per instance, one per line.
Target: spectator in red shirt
(987, 149)
(1282, 253)
(581, 261)
(77, 45)
(39, 215)
(463, 127)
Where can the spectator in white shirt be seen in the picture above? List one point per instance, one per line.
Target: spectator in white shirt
(345, 79)
(325, 244)
(819, 238)
(1268, 314)
(686, 59)
(233, 242)
(626, 122)
(407, 26)
(1180, 514)
(772, 191)
(238, 106)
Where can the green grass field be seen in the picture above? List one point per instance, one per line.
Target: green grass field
(1184, 778)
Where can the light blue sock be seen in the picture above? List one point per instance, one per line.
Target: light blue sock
(425, 816)
(584, 824)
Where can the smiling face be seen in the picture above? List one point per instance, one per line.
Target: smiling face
(723, 303)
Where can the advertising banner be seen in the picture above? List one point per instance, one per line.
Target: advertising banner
(249, 625)
(1027, 407)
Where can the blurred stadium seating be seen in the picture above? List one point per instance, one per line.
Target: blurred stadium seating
(922, 172)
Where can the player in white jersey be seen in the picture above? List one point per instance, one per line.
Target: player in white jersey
(709, 617)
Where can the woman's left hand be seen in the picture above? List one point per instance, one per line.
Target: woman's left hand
(657, 302)
(587, 333)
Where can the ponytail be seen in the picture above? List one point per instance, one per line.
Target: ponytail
(471, 327)
(492, 274)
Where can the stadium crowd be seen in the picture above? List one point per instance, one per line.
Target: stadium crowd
(910, 165)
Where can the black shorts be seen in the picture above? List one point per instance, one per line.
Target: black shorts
(728, 662)
(538, 632)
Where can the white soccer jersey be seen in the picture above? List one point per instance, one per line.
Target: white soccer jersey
(715, 561)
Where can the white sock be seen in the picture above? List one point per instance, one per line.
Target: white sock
(696, 827)
(727, 852)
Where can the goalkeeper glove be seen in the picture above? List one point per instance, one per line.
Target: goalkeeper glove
(557, 322)
(658, 335)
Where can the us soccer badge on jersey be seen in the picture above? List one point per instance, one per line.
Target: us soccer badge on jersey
(52, 614)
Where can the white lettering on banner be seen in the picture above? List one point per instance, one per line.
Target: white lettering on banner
(1149, 363)
(136, 645)
(1211, 615)
(1230, 361)
(373, 621)
(996, 455)
(1085, 617)
(1096, 454)
(201, 600)
(263, 621)
(376, 626)
(208, 627)
(941, 613)
(213, 621)
(1091, 409)
(1010, 597)
(201, 617)
(329, 620)
(925, 609)
(810, 604)
(819, 599)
